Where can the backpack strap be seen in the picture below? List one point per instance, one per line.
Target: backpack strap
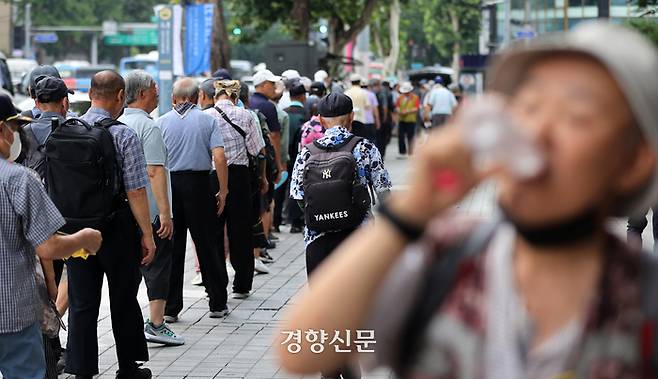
(439, 280)
(230, 122)
(348, 145)
(76, 121)
(108, 122)
(28, 113)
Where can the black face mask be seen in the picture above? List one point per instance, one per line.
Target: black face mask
(568, 231)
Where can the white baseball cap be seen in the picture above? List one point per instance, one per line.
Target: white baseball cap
(290, 74)
(630, 59)
(320, 76)
(355, 78)
(265, 76)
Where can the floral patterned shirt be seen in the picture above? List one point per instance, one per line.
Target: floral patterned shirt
(369, 163)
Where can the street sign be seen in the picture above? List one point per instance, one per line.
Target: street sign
(528, 32)
(46, 38)
(165, 56)
(110, 28)
(142, 37)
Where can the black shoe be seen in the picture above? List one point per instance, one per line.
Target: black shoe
(138, 373)
(61, 362)
(296, 229)
(271, 244)
(265, 257)
(274, 237)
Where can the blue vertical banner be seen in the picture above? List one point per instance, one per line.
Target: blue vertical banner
(165, 57)
(198, 34)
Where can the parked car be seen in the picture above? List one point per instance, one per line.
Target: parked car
(5, 75)
(79, 103)
(79, 78)
(19, 67)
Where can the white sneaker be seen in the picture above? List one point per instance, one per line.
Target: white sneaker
(260, 267)
(197, 280)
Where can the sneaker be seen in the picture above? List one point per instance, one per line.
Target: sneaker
(274, 237)
(170, 319)
(139, 373)
(241, 295)
(197, 280)
(162, 335)
(265, 257)
(271, 244)
(260, 267)
(219, 314)
(296, 229)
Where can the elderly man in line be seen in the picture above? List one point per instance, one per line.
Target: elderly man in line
(142, 99)
(194, 142)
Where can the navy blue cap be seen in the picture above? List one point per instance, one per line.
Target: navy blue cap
(335, 105)
(297, 89)
(222, 74)
(49, 89)
(46, 70)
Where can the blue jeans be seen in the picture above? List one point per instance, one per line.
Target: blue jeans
(21, 354)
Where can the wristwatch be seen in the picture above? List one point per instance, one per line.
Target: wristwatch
(407, 230)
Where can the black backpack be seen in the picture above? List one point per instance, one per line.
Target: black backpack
(333, 197)
(35, 155)
(81, 175)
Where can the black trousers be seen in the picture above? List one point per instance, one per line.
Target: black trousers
(158, 273)
(279, 199)
(118, 259)
(406, 132)
(383, 137)
(367, 131)
(194, 208)
(316, 252)
(238, 219)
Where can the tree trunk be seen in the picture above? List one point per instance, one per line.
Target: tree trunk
(456, 47)
(391, 61)
(301, 18)
(342, 36)
(220, 53)
(377, 40)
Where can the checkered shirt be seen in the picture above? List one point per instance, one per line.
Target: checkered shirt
(27, 219)
(130, 155)
(236, 147)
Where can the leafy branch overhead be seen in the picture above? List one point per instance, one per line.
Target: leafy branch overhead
(346, 18)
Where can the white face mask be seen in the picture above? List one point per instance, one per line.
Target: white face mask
(16, 147)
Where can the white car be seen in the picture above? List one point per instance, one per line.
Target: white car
(79, 103)
(19, 67)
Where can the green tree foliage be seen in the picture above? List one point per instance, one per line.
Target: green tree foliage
(452, 26)
(346, 17)
(648, 27)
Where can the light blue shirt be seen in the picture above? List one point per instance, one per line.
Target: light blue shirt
(441, 100)
(155, 152)
(189, 139)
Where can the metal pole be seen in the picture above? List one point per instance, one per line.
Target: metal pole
(27, 46)
(94, 49)
(565, 19)
(507, 37)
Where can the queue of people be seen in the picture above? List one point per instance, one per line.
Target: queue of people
(222, 165)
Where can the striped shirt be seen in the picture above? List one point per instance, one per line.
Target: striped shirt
(27, 219)
(236, 147)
